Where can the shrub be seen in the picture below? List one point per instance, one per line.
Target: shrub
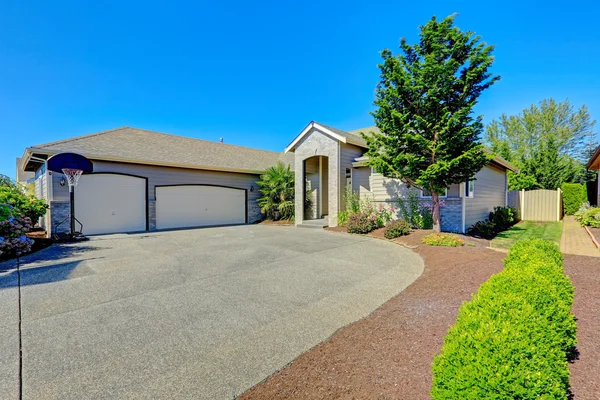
(13, 241)
(419, 216)
(23, 204)
(511, 341)
(588, 216)
(574, 195)
(277, 190)
(397, 228)
(362, 222)
(342, 218)
(498, 220)
(443, 239)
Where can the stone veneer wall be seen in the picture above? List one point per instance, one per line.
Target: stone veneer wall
(313, 144)
(59, 211)
(451, 213)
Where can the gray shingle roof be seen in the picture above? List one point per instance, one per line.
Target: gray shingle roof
(149, 147)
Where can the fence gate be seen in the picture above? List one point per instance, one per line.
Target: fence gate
(537, 205)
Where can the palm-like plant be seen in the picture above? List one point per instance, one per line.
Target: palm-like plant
(277, 188)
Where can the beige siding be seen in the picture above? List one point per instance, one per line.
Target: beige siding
(489, 192)
(361, 182)
(158, 176)
(348, 154)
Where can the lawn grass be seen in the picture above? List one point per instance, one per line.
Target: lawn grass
(550, 231)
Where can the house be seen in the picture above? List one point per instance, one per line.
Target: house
(145, 181)
(328, 160)
(594, 165)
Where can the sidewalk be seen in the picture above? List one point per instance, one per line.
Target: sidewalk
(575, 239)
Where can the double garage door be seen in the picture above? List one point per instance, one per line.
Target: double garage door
(114, 203)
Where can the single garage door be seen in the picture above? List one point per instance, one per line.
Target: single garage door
(199, 205)
(111, 203)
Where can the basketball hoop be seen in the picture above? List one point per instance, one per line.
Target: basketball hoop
(72, 176)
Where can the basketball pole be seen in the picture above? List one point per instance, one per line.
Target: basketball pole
(72, 198)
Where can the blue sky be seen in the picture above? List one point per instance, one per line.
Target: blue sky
(255, 73)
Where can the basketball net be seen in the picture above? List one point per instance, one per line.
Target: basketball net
(72, 176)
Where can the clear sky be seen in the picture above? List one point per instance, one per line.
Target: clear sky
(256, 72)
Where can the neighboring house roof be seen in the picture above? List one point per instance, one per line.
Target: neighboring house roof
(142, 146)
(594, 163)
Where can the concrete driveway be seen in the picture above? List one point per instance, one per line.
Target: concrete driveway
(202, 314)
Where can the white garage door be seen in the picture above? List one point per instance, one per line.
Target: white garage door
(198, 205)
(111, 203)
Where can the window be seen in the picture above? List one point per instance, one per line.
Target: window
(426, 194)
(469, 189)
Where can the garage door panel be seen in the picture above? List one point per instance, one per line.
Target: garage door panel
(111, 203)
(194, 206)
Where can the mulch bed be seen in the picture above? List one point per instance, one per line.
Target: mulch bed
(595, 233)
(388, 354)
(281, 222)
(585, 371)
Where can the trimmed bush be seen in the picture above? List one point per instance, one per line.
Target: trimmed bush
(362, 222)
(443, 239)
(397, 228)
(574, 195)
(512, 340)
(23, 204)
(501, 219)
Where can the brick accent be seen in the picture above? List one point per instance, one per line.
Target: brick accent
(59, 211)
(254, 214)
(152, 215)
(451, 217)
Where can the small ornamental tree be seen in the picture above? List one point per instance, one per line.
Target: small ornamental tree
(425, 98)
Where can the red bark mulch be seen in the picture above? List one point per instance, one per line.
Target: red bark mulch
(595, 233)
(585, 372)
(388, 354)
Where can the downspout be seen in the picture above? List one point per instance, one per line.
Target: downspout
(463, 207)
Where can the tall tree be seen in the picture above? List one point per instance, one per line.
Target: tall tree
(425, 98)
(550, 142)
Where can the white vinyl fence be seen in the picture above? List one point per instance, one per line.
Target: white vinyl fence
(537, 205)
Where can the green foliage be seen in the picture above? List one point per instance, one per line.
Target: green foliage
(498, 220)
(550, 143)
(352, 203)
(420, 217)
(22, 204)
(588, 216)
(397, 228)
(425, 99)
(276, 186)
(443, 239)
(362, 222)
(342, 218)
(512, 340)
(574, 195)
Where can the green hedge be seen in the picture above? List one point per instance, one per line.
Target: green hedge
(512, 340)
(574, 195)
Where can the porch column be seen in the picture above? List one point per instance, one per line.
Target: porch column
(320, 193)
(299, 190)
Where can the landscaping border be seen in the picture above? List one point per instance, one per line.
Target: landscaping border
(592, 237)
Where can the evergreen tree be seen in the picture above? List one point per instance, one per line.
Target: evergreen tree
(425, 98)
